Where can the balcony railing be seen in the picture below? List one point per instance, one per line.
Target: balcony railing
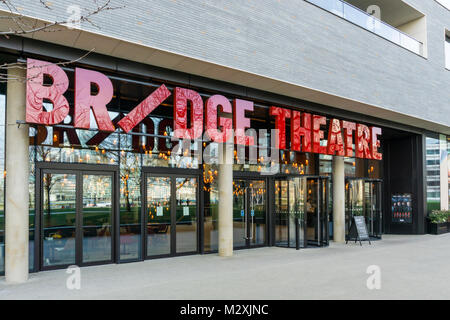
(368, 22)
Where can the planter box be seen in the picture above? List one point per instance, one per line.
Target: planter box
(438, 228)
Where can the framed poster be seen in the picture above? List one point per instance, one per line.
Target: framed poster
(401, 208)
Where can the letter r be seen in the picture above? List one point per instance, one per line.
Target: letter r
(84, 100)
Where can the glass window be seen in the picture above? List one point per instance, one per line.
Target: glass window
(32, 221)
(2, 182)
(447, 51)
(325, 165)
(59, 219)
(130, 204)
(433, 174)
(448, 166)
(355, 167)
(211, 208)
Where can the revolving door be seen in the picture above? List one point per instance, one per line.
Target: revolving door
(301, 212)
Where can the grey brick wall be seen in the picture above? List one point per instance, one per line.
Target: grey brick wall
(290, 40)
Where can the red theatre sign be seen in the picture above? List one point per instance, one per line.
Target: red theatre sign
(306, 129)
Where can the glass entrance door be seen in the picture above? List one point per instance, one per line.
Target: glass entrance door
(171, 215)
(76, 218)
(301, 212)
(363, 198)
(249, 213)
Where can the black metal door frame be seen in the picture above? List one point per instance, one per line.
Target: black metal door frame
(172, 173)
(254, 176)
(78, 170)
(323, 236)
(378, 183)
(322, 213)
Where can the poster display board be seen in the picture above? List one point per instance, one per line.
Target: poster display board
(358, 230)
(401, 208)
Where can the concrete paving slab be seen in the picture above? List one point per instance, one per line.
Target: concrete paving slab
(412, 267)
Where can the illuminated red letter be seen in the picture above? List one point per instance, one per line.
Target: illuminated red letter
(362, 142)
(212, 105)
(280, 124)
(37, 92)
(241, 122)
(299, 130)
(144, 109)
(348, 127)
(318, 134)
(375, 143)
(84, 100)
(182, 96)
(335, 140)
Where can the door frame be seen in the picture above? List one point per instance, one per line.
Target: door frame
(379, 192)
(173, 173)
(77, 169)
(256, 176)
(323, 231)
(323, 240)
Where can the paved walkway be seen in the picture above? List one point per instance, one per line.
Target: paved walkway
(412, 267)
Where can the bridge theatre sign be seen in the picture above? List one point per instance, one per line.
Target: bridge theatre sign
(307, 130)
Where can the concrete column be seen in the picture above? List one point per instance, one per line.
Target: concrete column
(338, 199)
(226, 201)
(17, 174)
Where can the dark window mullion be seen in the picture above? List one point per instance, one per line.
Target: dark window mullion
(79, 219)
(173, 212)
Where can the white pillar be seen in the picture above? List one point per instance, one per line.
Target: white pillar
(17, 174)
(226, 201)
(338, 199)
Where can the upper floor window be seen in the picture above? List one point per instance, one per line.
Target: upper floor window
(447, 50)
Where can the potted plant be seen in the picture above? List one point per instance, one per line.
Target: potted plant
(438, 222)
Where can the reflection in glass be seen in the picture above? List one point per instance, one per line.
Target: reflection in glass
(186, 215)
(433, 174)
(239, 218)
(59, 219)
(297, 197)
(163, 152)
(354, 205)
(363, 198)
(2, 181)
(281, 213)
(159, 215)
(447, 50)
(357, 17)
(211, 209)
(312, 211)
(56, 144)
(249, 213)
(130, 204)
(257, 211)
(325, 165)
(97, 218)
(31, 203)
(304, 199)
